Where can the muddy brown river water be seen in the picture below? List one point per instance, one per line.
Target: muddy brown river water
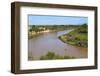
(40, 45)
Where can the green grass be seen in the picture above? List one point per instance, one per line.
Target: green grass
(76, 37)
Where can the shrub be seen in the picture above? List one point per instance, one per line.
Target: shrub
(52, 55)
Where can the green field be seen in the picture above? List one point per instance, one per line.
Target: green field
(78, 37)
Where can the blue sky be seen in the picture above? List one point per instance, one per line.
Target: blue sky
(51, 20)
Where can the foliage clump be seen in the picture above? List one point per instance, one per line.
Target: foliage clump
(52, 55)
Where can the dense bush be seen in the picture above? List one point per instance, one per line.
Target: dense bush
(52, 55)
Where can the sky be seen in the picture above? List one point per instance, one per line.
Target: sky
(57, 20)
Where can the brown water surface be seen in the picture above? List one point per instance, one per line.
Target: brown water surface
(40, 45)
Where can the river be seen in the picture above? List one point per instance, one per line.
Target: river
(40, 45)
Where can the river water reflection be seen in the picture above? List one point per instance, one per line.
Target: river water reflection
(40, 45)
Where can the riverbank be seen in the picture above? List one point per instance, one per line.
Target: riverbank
(34, 34)
(77, 37)
(35, 30)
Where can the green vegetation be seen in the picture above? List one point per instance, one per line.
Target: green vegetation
(30, 57)
(35, 30)
(52, 55)
(76, 37)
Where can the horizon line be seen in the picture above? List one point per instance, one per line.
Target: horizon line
(58, 24)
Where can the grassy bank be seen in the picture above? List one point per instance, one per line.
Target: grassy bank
(77, 37)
